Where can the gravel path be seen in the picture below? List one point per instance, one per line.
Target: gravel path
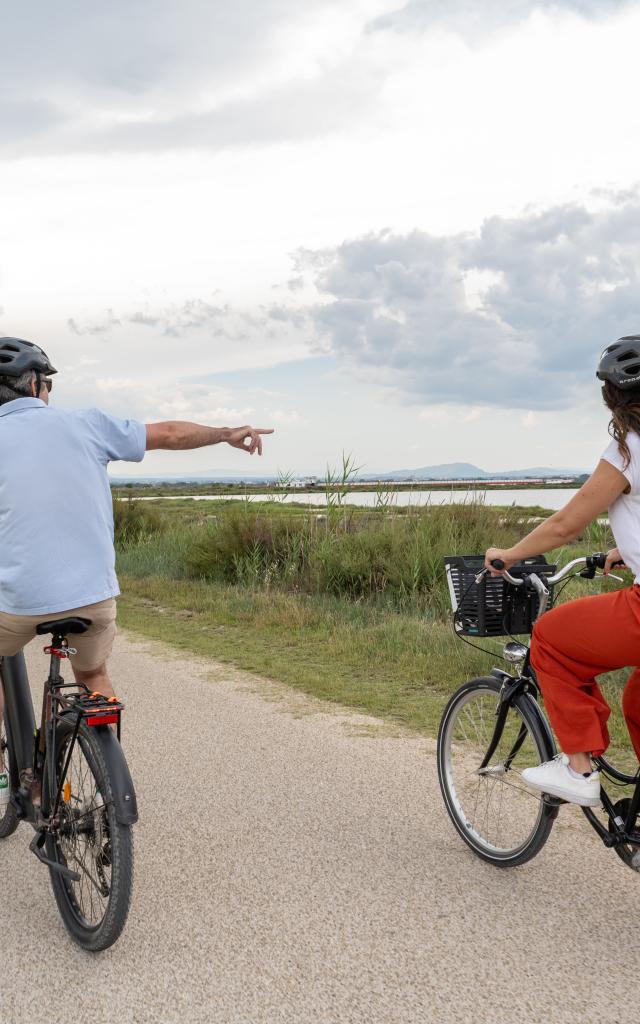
(294, 864)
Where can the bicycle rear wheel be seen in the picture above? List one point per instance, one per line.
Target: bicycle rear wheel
(496, 814)
(91, 842)
(9, 821)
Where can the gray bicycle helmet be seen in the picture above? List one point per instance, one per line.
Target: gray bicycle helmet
(620, 363)
(18, 356)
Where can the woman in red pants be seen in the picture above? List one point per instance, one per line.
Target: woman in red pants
(577, 641)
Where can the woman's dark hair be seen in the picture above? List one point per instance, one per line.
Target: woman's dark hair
(625, 415)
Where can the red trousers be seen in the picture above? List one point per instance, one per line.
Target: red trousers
(570, 646)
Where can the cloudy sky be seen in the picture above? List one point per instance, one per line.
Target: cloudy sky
(399, 229)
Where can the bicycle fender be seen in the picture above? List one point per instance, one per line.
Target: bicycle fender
(124, 795)
(521, 689)
(550, 751)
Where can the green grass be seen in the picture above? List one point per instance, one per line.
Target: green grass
(375, 555)
(392, 665)
(354, 612)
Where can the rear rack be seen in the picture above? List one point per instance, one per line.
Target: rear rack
(96, 709)
(93, 708)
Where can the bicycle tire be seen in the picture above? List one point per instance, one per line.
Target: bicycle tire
(108, 845)
(9, 821)
(532, 821)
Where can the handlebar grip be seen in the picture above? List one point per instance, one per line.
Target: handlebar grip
(497, 563)
(599, 559)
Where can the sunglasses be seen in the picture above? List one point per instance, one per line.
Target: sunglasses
(48, 384)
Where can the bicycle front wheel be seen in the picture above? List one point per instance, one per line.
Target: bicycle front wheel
(91, 842)
(496, 814)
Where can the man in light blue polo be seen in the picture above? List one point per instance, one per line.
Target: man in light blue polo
(56, 516)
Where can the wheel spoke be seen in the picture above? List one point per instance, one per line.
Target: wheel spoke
(494, 807)
(82, 838)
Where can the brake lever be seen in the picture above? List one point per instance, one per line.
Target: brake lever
(612, 576)
(590, 574)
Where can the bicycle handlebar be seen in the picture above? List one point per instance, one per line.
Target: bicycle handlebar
(592, 562)
(542, 583)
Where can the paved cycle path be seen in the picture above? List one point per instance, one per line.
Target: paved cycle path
(294, 864)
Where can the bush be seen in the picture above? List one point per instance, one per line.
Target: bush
(135, 521)
(242, 546)
(402, 557)
(397, 557)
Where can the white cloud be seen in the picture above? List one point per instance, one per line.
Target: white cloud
(531, 336)
(288, 417)
(201, 75)
(474, 19)
(159, 163)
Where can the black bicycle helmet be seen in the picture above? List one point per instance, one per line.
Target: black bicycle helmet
(620, 362)
(18, 356)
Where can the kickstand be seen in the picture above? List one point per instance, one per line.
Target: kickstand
(36, 845)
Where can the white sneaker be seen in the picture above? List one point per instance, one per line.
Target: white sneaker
(554, 778)
(5, 791)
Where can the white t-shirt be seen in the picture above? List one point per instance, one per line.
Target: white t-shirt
(624, 512)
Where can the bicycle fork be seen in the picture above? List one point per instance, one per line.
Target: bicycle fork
(511, 688)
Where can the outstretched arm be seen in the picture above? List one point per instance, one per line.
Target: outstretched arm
(178, 435)
(604, 485)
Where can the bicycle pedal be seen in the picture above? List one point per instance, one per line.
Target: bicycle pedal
(553, 801)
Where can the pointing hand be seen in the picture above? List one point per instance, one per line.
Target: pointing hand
(249, 439)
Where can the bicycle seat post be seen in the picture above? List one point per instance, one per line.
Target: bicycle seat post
(59, 650)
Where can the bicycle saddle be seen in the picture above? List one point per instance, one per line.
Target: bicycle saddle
(74, 624)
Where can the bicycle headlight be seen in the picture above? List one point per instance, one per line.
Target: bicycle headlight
(514, 652)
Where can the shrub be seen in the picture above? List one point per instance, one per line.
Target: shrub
(401, 557)
(134, 521)
(244, 546)
(357, 556)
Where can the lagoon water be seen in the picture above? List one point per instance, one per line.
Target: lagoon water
(547, 497)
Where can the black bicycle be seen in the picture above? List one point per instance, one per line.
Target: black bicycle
(70, 781)
(494, 727)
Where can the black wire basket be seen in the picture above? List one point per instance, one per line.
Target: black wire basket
(494, 607)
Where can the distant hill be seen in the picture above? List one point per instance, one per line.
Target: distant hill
(467, 471)
(447, 471)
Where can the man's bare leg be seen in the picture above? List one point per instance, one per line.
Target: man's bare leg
(97, 680)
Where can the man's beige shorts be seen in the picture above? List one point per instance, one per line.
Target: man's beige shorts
(94, 646)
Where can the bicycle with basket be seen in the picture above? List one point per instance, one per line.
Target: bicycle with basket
(493, 727)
